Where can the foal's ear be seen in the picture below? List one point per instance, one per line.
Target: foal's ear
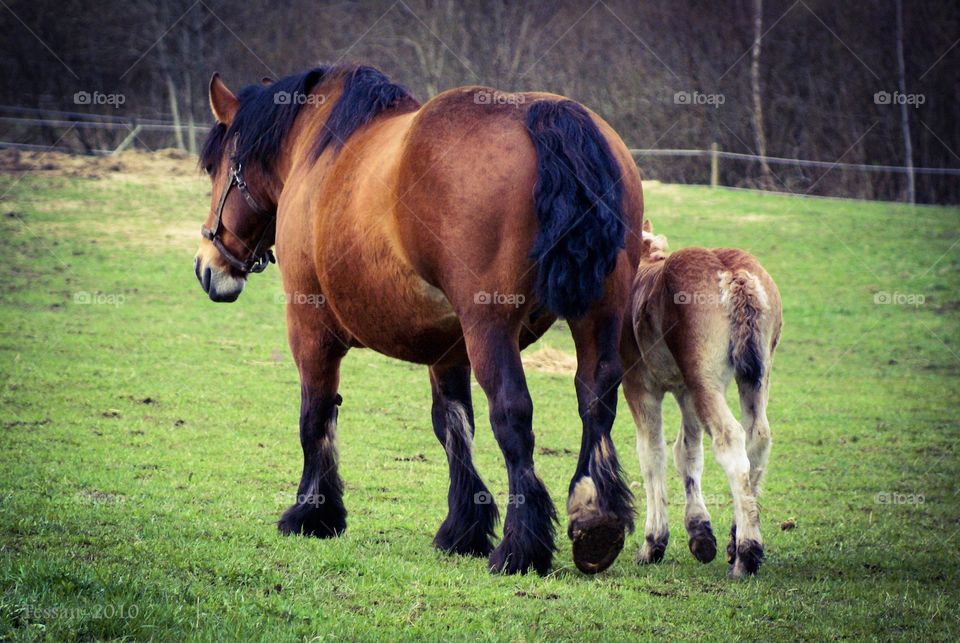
(647, 226)
(223, 103)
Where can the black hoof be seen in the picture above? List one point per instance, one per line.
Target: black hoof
(653, 549)
(732, 545)
(510, 558)
(749, 558)
(596, 543)
(472, 542)
(320, 521)
(702, 542)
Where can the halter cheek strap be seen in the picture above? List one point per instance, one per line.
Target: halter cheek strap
(261, 256)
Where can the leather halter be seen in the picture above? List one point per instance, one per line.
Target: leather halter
(261, 257)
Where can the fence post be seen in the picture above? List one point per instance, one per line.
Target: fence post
(714, 165)
(128, 141)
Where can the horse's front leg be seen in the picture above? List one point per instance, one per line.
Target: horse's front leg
(600, 505)
(318, 509)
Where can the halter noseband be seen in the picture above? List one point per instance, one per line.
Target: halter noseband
(261, 257)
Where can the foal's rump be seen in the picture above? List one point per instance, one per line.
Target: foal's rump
(719, 308)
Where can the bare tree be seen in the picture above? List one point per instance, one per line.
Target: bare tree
(904, 118)
(766, 178)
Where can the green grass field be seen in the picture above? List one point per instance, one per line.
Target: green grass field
(149, 442)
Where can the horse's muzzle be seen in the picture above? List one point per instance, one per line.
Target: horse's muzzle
(219, 285)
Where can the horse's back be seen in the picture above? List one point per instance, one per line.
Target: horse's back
(467, 173)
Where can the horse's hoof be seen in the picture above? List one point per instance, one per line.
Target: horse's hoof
(472, 543)
(597, 543)
(308, 520)
(748, 560)
(506, 559)
(653, 549)
(702, 543)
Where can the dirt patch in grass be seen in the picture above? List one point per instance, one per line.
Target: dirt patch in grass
(550, 360)
(129, 165)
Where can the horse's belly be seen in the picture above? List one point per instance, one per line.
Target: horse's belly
(404, 317)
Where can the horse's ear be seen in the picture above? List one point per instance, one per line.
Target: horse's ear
(647, 226)
(222, 101)
(266, 81)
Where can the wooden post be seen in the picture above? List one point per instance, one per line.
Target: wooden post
(714, 165)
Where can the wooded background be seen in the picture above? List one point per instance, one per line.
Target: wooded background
(806, 88)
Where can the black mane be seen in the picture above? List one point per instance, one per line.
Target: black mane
(267, 113)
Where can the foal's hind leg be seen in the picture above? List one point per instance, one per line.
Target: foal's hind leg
(528, 530)
(645, 406)
(753, 413)
(318, 510)
(753, 416)
(730, 449)
(600, 505)
(472, 513)
(688, 455)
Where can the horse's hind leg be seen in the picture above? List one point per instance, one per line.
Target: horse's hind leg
(645, 406)
(600, 503)
(528, 531)
(318, 510)
(472, 513)
(688, 455)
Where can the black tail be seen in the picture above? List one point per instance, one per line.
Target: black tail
(579, 206)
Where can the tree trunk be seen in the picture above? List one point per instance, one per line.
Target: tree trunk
(766, 178)
(904, 117)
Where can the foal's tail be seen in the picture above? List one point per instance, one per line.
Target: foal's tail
(579, 207)
(748, 304)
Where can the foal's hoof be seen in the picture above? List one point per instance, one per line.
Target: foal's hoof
(732, 545)
(653, 549)
(596, 543)
(702, 543)
(748, 560)
(311, 520)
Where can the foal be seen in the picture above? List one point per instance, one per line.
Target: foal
(699, 319)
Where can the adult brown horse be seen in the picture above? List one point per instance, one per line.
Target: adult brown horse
(451, 234)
